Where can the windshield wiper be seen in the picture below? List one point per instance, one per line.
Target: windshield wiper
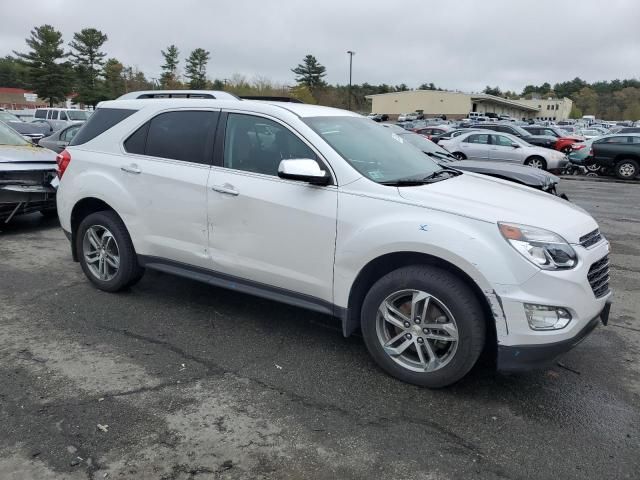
(439, 175)
(404, 182)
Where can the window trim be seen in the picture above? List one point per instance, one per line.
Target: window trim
(211, 139)
(220, 147)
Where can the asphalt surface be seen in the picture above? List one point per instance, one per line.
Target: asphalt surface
(175, 379)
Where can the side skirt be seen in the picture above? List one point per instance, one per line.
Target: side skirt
(237, 284)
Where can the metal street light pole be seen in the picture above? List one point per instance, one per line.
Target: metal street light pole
(351, 54)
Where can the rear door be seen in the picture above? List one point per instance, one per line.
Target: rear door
(476, 146)
(166, 169)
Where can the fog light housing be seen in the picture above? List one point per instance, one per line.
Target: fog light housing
(545, 317)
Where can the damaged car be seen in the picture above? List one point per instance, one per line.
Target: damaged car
(27, 177)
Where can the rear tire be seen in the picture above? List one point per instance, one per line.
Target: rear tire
(453, 315)
(106, 253)
(536, 162)
(627, 169)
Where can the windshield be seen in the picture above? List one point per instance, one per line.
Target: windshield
(521, 131)
(77, 114)
(376, 152)
(8, 117)
(8, 136)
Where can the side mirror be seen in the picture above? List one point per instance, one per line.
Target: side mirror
(515, 145)
(303, 170)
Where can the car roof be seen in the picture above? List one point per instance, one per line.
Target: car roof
(298, 109)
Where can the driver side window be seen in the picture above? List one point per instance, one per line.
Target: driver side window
(256, 144)
(502, 141)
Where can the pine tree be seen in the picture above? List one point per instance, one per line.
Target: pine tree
(196, 69)
(114, 78)
(88, 60)
(48, 73)
(169, 77)
(310, 73)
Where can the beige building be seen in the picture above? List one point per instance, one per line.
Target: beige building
(456, 105)
(552, 109)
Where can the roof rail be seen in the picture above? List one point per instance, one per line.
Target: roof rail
(145, 94)
(270, 98)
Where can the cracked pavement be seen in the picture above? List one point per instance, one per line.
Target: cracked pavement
(191, 381)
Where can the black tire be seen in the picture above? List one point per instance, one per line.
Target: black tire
(459, 155)
(536, 160)
(129, 271)
(627, 169)
(456, 295)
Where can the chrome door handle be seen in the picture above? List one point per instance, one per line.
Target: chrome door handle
(131, 169)
(227, 189)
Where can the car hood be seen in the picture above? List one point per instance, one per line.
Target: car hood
(495, 200)
(521, 173)
(27, 154)
(24, 127)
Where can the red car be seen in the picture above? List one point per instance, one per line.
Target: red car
(563, 140)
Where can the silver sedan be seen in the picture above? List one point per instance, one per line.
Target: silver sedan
(503, 147)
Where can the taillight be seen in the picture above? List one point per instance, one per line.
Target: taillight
(63, 159)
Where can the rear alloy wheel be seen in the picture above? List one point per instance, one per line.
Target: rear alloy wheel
(536, 162)
(460, 155)
(627, 169)
(593, 167)
(423, 325)
(106, 253)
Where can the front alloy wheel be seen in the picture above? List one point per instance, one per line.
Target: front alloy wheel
(101, 253)
(417, 331)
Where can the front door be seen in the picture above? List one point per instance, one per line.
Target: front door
(265, 229)
(502, 149)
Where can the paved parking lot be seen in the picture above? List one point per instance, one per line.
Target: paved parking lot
(176, 379)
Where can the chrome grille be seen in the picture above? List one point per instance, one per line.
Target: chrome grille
(590, 238)
(599, 277)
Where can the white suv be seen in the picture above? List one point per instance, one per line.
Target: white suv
(324, 209)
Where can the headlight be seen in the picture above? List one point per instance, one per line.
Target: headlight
(543, 248)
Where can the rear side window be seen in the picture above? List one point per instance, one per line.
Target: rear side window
(183, 135)
(54, 114)
(41, 114)
(101, 121)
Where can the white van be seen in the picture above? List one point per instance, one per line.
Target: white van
(59, 118)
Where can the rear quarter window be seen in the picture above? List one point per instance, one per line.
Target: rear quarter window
(101, 121)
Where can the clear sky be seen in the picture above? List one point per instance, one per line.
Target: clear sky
(456, 44)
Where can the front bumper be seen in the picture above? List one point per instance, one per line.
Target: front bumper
(526, 357)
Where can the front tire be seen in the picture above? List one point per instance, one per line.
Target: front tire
(536, 162)
(423, 325)
(459, 155)
(106, 252)
(627, 169)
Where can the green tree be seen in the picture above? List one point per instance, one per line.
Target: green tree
(575, 112)
(196, 69)
(13, 73)
(310, 73)
(303, 93)
(48, 73)
(427, 86)
(113, 72)
(587, 101)
(401, 88)
(88, 60)
(495, 91)
(135, 80)
(169, 77)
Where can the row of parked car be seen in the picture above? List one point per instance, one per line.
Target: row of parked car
(569, 149)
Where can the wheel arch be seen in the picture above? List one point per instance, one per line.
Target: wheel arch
(380, 266)
(80, 211)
